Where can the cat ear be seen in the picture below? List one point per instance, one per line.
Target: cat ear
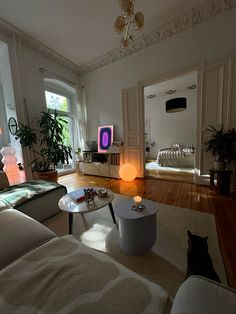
(206, 238)
(189, 233)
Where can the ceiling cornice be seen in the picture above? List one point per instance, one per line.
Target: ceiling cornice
(11, 31)
(189, 20)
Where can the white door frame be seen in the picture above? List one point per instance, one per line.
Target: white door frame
(222, 83)
(171, 75)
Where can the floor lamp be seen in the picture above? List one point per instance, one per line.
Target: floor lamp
(10, 164)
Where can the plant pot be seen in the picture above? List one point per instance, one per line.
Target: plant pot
(219, 165)
(47, 175)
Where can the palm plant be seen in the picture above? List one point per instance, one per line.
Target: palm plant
(220, 143)
(46, 142)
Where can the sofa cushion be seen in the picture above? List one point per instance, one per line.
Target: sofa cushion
(20, 193)
(198, 295)
(19, 234)
(37, 199)
(64, 276)
(4, 205)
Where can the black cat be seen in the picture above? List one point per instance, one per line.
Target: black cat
(198, 259)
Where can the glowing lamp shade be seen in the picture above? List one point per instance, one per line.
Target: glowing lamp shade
(10, 163)
(128, 172)
(176, 104)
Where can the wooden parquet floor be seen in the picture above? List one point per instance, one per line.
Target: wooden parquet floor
(179, 194)
(171, 176)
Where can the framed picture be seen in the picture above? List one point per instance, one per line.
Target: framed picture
(105, 137)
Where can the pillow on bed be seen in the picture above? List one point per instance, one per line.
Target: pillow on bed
(175, 146)
(189, 149)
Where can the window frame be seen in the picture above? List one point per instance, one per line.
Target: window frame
(70, 114)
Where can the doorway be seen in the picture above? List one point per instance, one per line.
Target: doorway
(170, 108)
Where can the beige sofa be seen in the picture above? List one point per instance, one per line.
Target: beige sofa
(40, 205)
(42, 273)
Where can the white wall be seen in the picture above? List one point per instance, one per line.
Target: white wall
(32, 80)
(28, 83)
(208, 41)
(4, 137)
(168, 128)
(8, 108)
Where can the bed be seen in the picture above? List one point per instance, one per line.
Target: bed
(176, 155)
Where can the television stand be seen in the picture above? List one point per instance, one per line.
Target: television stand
(107, 166)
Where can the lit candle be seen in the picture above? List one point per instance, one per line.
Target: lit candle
(137, 200)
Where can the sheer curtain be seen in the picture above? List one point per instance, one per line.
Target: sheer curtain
(81, 121)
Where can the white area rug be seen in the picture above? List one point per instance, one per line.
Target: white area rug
(166, 263)
(154, 166)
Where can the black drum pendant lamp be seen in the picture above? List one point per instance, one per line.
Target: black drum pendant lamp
(176, 104)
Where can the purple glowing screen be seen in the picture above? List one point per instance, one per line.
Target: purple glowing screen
(105, 137)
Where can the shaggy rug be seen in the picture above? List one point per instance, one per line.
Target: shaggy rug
(166, 263)
(155, 167)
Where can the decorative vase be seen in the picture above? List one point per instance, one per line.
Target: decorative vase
(219, 165)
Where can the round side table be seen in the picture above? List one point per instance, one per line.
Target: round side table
(137, 229)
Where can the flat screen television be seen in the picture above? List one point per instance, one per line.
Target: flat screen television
(105, 137)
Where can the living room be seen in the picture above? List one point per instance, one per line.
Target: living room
(177, 38)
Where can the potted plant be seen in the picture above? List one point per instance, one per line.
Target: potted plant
(46, 144)
(222, 145)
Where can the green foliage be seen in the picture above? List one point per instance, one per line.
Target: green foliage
(26, 135)
(222, 144)
(47, 143)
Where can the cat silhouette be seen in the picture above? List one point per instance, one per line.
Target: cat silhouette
(198, 259)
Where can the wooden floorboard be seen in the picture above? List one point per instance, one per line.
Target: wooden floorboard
(179, 194)
(184, 198)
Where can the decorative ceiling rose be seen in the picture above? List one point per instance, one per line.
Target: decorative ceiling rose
(176, 104)
(123, 22)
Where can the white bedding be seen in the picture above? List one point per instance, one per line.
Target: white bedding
(176, 156)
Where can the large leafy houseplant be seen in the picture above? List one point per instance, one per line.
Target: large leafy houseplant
(46, 141)
(221, 143)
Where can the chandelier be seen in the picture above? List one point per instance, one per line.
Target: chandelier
(123, 22)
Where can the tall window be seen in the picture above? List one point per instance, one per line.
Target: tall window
(63, 105)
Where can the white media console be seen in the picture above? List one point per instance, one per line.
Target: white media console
(108, 169)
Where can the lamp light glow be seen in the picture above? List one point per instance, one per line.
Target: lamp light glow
(10, 163)
(137, 200)
(128, 172)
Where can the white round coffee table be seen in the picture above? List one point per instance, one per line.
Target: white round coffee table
(72, 207)
(137, 230)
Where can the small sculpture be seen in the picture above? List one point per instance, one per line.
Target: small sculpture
(89, 196)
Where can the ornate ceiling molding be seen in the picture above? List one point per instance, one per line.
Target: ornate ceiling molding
(11, 31)
(189, 20)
